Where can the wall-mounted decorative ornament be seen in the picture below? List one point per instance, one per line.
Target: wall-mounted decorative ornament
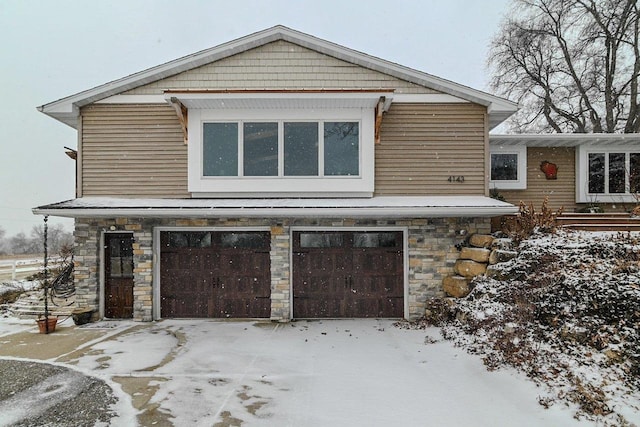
(550, 169)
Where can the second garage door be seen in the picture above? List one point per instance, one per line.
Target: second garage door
(215, 274)
(339, 274)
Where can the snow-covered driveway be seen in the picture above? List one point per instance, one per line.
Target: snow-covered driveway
(322, 373)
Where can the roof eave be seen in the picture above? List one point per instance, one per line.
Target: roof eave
(369, 212)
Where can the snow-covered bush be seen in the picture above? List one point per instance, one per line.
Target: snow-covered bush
(567, 314)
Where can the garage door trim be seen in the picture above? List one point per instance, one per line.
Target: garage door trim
(405, 253)
(157, 258)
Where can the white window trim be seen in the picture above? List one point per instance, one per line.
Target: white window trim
(521, 182)
(582, 175)
(202, 186)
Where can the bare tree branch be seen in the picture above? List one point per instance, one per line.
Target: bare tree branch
(574, 65)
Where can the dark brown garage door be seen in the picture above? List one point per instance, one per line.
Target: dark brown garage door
(348, 274)
(215, 274)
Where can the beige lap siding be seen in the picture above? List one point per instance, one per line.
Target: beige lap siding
(561, 191)
(422, 145)
(132, 151)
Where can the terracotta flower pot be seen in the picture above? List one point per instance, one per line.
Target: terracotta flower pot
(51, 321)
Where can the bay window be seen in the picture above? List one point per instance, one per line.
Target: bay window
(252, 149)
(282, 152)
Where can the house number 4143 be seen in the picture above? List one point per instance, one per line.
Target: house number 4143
(456, 178)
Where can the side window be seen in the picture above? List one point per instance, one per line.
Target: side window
(504, 167)
(508, 167)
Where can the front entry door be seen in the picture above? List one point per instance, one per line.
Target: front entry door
(118, 275)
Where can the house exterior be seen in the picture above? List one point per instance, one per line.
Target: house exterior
(276, 176)
(600, 170)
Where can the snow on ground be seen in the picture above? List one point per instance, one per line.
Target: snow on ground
(373, 373)
(338, 373)
(566, 312)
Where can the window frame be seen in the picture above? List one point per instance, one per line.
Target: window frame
(582, 174)
(252, 186)
(521, 182)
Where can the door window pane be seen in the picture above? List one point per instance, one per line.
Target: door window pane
(260, 149)
(321, 240)
(120, 258)
(245, 240)
(617, 175)
(341, 153)
(634, 172)
(374, 240)
(504, 167)
(301, 149)
(596, 172)
(189, 239)
(220, 149)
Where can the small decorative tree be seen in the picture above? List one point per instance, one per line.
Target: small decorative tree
(48, 323)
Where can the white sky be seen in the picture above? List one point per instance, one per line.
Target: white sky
(53, 49)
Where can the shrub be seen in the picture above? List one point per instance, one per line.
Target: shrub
(529, 221)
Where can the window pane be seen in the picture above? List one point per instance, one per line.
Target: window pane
(245, 240)
(301, 149)
(220, 149)
(341, 154)
(189, 239)
(634, 172)
(596, 172)
(504, 167)
(617, 172)
(260, 149)
(321, 240)
(374, 240)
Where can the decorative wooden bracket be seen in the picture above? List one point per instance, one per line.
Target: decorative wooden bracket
(182, 113)
(378, 113)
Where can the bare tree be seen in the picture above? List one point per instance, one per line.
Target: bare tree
(57, 238)
(573, 65)
(3, 242)
(21, 244)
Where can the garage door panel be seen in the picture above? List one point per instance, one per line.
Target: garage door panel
(222, 276)
(348, 274)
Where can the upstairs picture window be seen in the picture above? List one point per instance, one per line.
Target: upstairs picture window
(275, 145)
(508, 168)
(341, 148)
(281, 149)
(260, 150)
(301, 149)
(219, 149)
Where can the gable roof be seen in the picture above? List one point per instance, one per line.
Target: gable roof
(67, 109)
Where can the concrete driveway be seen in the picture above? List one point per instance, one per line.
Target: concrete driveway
(320, 373)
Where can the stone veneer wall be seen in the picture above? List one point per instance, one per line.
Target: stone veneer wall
(431, 254)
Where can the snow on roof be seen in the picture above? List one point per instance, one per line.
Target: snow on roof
(565, 139)
(434, 206)
(66, 109)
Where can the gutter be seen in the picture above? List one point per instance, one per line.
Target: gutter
(373, 212)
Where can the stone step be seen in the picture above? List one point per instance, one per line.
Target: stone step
(31, 305)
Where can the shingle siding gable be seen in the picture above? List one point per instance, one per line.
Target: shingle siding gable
(280, 65)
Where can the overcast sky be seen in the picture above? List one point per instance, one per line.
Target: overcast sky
(53, 49)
